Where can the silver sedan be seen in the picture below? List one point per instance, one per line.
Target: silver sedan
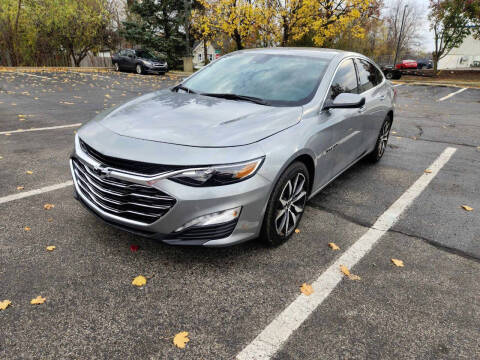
(235, 151)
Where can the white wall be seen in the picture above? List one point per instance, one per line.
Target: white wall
(463, 56)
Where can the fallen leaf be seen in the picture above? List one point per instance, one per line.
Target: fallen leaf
(333, 246)
(394, 132)
(51, 247)
(4, 304)
(29, 172)
(181, 339)
(48, 206)
(467, 208)
(345, 270)
(49, 219)
(306, 289)
(38, 300)
(297, 231)
(27, 228)
(139, 280)
(428, 171)
(398, 263)
(20, 188)
(134, 248)
(347, 273)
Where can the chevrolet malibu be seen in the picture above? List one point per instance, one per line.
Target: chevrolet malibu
(234, 151)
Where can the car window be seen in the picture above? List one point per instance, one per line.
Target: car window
(130, 53)
(123, 53)
(280, 80)
(368, 75)
(345, 80)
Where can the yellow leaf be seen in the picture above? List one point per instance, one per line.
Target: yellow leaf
(27, 228)
(51, 247)
(347, 273)
(181, 339)
(50, 220)
(20, 188)
(29, 172)
(428, 171)
(48, 206)
(345, 270)
(38, 300)
(333, 246)
(297, 231)
(398, 263)
(4, 304)
(467, 208)
(139, 280)
(306, 289)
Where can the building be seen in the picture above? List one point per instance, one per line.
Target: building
(198, 53)
(466, 56)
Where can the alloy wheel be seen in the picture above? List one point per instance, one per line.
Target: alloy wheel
(117, 68)
(383, 140)
(290, 205)
(139, 69)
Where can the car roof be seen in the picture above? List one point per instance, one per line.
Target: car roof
(314, 52)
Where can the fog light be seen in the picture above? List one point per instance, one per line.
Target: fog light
(219, 217)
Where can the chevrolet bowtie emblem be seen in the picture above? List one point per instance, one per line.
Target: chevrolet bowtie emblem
(101, 171)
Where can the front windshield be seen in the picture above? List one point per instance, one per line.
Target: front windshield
(145, 54)
(282, 80)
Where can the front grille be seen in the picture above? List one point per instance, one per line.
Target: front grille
(210, 232)
(128, 165)
(122, 198)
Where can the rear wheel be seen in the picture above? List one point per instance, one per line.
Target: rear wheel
(139, 69)
(389, 75)
(382, 141)
(286, 205)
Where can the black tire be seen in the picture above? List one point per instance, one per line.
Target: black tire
(389, 75)
(396, 76)
(382, 141)
(116, 66)
(283, 200)
(139, 69)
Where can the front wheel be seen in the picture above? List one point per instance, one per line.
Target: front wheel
(116, 66)
(382, 141)
(139, 69)
(286, 205)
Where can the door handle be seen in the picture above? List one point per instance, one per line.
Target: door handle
(382, 98)
(362, 109)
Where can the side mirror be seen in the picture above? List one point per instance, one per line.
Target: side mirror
(345, 101)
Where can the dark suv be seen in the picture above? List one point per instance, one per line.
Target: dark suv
(140, 61)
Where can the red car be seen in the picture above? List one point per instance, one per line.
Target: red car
(407, 64)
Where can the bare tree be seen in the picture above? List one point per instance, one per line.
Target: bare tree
(393, 21)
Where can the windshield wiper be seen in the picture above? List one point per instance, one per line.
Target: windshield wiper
(184, 88)
(237, 97)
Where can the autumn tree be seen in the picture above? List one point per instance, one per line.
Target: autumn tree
(449, 23)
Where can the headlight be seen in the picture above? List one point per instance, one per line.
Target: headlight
(218, 174)
(148, 63)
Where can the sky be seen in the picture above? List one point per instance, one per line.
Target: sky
(426, 42)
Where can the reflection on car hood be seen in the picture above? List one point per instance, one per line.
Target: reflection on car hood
(153, 60)
(196, 120)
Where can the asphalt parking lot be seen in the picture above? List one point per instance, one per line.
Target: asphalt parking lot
(224, 298)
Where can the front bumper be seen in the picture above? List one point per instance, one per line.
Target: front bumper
(191, 202)
(156, 68)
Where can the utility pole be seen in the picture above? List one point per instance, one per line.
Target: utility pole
(186, 8)
(400, 36)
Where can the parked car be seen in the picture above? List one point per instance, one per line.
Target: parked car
(234, 151)
(406, 64)
(424, 64)
(140, 61)
(391, 73)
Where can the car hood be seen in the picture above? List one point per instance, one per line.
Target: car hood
(153, 60)
(196, 120)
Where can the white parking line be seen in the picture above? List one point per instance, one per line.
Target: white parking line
(270, 340)
(40, 129)
(39, 76)
(25, 194)
(452, 94)
(88, 73)
(397, 85)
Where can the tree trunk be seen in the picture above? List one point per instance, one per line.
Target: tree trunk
(285, 35)
(205, 52)
(238, 39)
